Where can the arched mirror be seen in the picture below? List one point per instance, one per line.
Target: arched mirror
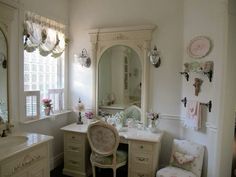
(121, 68)
(3, 79)
(119, 79)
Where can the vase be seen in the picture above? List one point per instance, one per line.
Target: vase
(153, 126)
(47, 111)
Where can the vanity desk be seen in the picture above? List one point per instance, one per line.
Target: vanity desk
(143, 151)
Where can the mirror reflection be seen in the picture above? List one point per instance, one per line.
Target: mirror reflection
(119, 79)
(3, 79)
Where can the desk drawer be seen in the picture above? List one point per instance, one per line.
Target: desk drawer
(141, 161)
(76, 147)
(74, 161)
(73, 137)
(141, 147)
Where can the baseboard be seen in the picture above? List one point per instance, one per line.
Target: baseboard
(56, 161)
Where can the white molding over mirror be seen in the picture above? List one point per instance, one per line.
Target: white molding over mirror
(137, 38)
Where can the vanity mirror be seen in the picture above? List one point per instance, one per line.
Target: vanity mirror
(3, 78)
(119, 79)
(121, 65)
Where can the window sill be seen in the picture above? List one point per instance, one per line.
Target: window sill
(53, 116)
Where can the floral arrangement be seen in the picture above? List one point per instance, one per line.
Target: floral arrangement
(152, 115)
(89, 115)
(47, 103)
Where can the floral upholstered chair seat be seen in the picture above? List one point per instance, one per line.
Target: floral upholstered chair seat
(186, 160)
(121, 156)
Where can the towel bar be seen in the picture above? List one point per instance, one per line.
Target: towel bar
(209, 104)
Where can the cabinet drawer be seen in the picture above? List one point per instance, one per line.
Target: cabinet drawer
(74, 162)
(24, 160)
(140, 174)
(141, 147)
(141, 161)
(73, 137)
(71, 146)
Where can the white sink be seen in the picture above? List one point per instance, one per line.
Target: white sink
(11, 141)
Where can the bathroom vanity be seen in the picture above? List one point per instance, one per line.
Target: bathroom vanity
(143, 151)
(25, 155)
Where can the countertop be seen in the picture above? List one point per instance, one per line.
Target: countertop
(127, 133)
(31, 140)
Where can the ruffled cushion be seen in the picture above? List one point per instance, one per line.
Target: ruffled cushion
(182, 160)
(174, 172)
(121, 156)
(189, 148)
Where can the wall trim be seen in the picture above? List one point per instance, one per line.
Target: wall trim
(56, 160)
(208, 125)
(171, 117)
(211, 127)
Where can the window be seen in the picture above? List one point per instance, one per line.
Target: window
(44, 57)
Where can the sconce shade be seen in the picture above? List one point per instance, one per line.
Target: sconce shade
(79, 107)
(84, 59)
(155, 58)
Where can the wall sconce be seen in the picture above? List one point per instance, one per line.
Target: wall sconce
(154, 57)
(83, 58)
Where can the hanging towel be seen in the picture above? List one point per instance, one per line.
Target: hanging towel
(193, 115)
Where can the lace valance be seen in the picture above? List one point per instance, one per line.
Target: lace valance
(44, 34)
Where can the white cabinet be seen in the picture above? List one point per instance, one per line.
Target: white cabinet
(76, 154)
(33, 162)
(143, 158)
(143, 151)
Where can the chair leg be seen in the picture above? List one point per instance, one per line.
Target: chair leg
(114, 172)
(94, 170)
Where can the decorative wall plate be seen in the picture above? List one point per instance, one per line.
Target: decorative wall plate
(199, 47)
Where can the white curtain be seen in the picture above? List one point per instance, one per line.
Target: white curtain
(43, 34)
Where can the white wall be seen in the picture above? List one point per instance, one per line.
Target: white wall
(178, 22)
(165, 82)
(209, 18)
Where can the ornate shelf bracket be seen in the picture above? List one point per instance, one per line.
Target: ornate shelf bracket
(209, 74)
(186, 75)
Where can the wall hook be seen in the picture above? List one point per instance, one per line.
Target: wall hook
(186, 75)
(184, 100)
(209, 74)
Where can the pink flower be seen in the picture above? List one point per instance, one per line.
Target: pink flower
(47, 103)
(89, 115)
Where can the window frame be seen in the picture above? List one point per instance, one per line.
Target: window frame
(22, 116)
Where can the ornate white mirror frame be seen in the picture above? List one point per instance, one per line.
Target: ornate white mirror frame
(137, 38)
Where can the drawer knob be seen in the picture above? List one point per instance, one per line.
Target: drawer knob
(73, 137)
(141, 158)
(73, 162)
(141, 175)
(141, 147)
(74, 148)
